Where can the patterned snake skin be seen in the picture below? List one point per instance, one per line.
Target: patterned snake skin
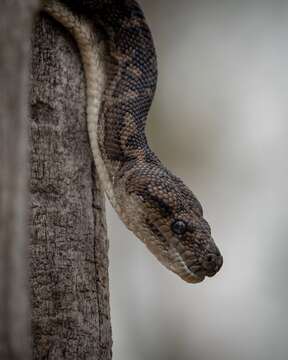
(151, 201)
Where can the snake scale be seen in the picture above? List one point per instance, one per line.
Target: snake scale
(153, 203)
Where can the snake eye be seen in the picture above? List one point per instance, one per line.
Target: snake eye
(179, 227)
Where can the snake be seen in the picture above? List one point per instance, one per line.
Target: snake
(120, 70)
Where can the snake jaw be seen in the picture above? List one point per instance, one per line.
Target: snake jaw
(180, 267)
(172, 259)
(186, 274)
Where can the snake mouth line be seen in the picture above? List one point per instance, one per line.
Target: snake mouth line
(192, 277)
(179, 267)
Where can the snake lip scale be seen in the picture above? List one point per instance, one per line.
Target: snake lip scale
(120, 69)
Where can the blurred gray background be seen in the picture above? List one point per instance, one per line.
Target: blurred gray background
(219, 121)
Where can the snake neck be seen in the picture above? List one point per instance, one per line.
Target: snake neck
(121, 88)
(131, 77)
(131, 69)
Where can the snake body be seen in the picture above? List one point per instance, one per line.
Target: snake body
(155, 204)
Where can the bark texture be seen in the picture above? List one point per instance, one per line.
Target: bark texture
(69, 265)
(15, 29)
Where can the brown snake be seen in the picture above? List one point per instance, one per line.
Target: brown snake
(151, 201)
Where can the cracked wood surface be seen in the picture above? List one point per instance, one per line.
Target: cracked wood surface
(69, 265)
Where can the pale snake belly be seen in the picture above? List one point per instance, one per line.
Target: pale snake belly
(153, 203)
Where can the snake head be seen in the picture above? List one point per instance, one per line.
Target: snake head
(171, 224)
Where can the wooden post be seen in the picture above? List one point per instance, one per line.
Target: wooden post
(69, 265)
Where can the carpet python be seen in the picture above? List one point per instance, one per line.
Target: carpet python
(153, 203)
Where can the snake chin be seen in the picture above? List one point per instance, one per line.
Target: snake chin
(193, 278)
(189, 274)
(191, 267)
(174, 261)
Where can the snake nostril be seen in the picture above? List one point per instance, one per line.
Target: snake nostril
(212, 263)
(209, 258)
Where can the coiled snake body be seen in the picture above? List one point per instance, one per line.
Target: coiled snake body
(151, 201)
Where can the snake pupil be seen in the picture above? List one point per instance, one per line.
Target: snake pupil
(179, 227)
